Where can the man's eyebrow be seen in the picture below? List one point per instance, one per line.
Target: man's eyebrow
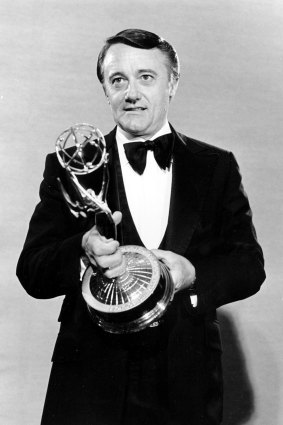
(114, 74)
(140, 71)
(147, 71)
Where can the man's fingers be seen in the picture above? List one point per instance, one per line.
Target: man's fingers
(117, 270)
(181, 269)
(117, 217)
(110, 261)
(96, 245)
(103, 252)
(165, 256)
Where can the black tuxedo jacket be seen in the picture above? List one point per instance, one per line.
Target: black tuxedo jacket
(210, 223)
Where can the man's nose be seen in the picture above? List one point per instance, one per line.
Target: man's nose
(132, 93)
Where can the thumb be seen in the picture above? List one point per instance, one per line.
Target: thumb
(117, 217)
(160, 254)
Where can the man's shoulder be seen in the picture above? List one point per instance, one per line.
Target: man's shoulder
(52, 165)
(187, 142)
(195, 145)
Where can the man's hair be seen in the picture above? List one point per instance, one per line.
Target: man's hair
(140, 39)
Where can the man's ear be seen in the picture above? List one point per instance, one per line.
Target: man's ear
(106, 95)
(173, 85)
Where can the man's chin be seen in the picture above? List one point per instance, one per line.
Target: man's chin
(134, 130)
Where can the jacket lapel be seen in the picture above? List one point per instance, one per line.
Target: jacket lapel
(193, 166)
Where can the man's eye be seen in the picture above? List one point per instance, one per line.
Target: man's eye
(117, 81)
(146, 77)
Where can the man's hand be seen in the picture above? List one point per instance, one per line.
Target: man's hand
(104, 253)
(182, 271)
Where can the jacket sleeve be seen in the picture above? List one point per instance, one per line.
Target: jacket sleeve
(229, 265)
(49, 264)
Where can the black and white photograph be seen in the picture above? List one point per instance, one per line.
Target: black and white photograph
(141, 212)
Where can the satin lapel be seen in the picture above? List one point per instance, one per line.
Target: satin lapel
(193, 165)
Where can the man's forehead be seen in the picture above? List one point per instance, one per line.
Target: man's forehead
(122, 56)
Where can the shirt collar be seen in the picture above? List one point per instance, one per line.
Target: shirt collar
(121, 136)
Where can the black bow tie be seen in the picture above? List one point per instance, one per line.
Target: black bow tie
(162, 148)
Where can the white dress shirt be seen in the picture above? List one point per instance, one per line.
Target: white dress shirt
(148, 195)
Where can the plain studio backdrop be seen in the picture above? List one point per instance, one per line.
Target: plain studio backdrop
(230, 95)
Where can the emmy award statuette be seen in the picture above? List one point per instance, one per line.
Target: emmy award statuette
(139, 297)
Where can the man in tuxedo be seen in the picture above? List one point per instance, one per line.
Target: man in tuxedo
(179, 197)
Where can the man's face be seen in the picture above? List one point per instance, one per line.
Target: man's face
(138, 88)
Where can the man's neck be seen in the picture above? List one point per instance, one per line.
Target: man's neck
(165, 129)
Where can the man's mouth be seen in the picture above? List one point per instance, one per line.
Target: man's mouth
(134, 108)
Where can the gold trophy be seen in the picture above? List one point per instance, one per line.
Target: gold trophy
(138, 298)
